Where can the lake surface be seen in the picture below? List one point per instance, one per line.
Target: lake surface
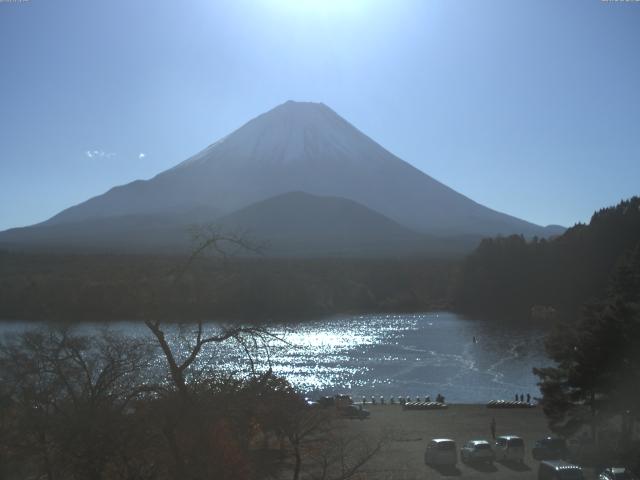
(397, 354)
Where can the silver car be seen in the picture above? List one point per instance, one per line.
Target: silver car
(441, 451)
(477, 451)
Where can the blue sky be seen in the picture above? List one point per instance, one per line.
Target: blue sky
(529, 107)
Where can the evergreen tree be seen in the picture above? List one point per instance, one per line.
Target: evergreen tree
(509, 275)
(598, 360)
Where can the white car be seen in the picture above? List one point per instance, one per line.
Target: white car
(477, 451)
(509, 448)
(441, 451)
(559, 470)
(616, 473)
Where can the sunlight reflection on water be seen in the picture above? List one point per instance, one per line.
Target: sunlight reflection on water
(402, 354)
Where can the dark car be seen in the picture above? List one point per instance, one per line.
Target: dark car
(550, 448)
(342, 400)
(585, 451)
(327, 401)
(353, 411)
(559, 470)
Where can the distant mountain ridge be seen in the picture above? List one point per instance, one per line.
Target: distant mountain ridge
(291, 224)
(298, 224)
(295, 147)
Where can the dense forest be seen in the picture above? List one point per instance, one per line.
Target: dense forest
(117, 287)
(511, 276)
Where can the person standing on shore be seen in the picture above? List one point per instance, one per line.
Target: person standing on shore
(492, 426)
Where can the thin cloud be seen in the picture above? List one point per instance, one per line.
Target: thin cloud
(99, 154)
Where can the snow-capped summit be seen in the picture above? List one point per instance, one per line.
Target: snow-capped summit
(292, 132)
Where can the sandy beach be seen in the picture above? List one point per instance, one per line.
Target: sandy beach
(402, 457)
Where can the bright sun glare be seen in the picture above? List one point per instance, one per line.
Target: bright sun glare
(322, 7)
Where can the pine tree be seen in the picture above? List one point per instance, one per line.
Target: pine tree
(598, 360)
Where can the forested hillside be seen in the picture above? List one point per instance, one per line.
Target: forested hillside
(509, 275)
(128, 287)
(504, 276)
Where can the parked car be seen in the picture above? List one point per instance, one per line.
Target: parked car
(310, 402)
(342, 401)
(477, 451)
(441, 451)
(550, 448)
(355, 411)
(327, 401)
(617, 473)
(509, 448)
(584, 451)
(559, 470)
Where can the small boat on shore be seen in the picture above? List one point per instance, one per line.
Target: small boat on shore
(509, 404)
(424, 406)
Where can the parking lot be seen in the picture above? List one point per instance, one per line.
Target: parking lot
(402, 457)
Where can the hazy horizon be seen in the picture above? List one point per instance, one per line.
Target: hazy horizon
(527, 108)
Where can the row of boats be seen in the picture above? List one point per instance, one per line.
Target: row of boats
(424, 406)
(509, 404)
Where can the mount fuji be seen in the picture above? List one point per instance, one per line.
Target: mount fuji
(298, 147)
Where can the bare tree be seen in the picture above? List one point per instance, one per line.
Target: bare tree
(79, 406)
(207, 239)
(178, 367)
(342, 454)
(189, 412)
(68, 396)
(319, 451)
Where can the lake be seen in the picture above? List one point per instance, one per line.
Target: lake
(389, 355)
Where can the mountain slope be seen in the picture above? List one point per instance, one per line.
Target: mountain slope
(291, 224)
(297, 223)
(136, 233)
(302, 147)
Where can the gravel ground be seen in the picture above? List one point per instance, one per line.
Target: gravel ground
(402, 457)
